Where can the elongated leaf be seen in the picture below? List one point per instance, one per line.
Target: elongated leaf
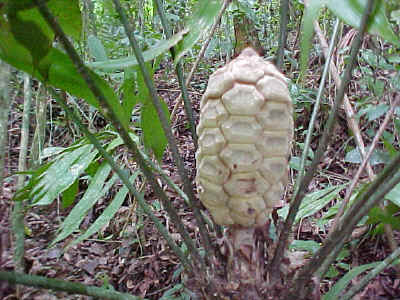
(122, 63)
(68, 196)
(336, 290)
(130, 98)
(62, 174)
(203, 17)
(153, 134)
(351, 11)
(314, 202)
(63, 74)
(97, 188)
(107, 214)
(56, 69)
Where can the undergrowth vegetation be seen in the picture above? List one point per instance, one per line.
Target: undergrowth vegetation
(108, 196)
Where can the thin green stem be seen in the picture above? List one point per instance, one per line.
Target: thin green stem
(188, 188)
(18, 225)
(107, 110)
(313, 119)
(64, 286)
(363, 203)
(284, 20)
(373, 273)
(294, 207)
(124, 178)
(179, 72)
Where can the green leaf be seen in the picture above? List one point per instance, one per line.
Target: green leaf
(351, 11)
(68, 15)
(375, 111)
(202, 18)
(377, 157)
(31, 31)
(339, 287)
(96, 189)
(107, 214)
(163, 46)
(130, 97)
(313, 202)
(56, 69)
(63, 74)
(62, 174)
(68, 196)
(153, 134)
(394, 195)
(377, 215)
(96, 48)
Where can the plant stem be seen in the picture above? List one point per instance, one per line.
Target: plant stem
(284, 20)
(179, 72)
(294, 207)
(65, 286)
(18, 211)
(5, 101)
(373, 273)
(201, 54)
(124, 178)
(188, 188)
(108, 111)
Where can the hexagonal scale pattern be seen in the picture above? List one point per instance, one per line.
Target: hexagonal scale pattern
(213, 169)
(245, 131)
(211, 141)
(243, 99)
(241, 129)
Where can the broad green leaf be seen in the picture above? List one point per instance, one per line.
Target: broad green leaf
(112, 65)
(62, 174)
(31, 31)
(107, 214)
(374, 112)
(313, 202)
(202, 18)
(56, 69)
(68, 15)
(63, 74)
(377, 215)
(351, 11)
(96, 48)
(153, 134)
(13, 52)
(339, 287)
(96, 189)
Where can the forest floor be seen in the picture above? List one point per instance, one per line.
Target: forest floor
(135, 258)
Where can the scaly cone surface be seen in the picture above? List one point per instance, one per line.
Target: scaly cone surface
(245, 132)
